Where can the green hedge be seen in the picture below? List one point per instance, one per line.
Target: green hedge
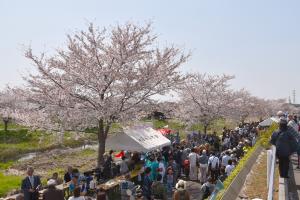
(264, 138)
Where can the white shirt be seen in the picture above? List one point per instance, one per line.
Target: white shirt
(229, 169)
(214, 160)
(31, 179)
(225, 159)
(163, 169)
(77, 198)
(193, 158)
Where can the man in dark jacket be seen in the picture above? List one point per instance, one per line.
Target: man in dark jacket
(52, 193)
(68, 175)
(286, 144)
(31, 185)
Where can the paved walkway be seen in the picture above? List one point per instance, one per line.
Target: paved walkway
(294, 180)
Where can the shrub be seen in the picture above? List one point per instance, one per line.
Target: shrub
(266, 135)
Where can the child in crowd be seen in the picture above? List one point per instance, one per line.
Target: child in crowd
(170, 180)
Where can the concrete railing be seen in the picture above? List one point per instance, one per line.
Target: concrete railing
(283, 193)
(271, 161)
(237, 184)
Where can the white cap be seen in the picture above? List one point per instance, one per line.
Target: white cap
(51, 182)
(280, 113)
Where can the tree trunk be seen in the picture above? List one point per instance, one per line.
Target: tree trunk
(205, 128)
(102, 135)
(5, 124)
(101, 143)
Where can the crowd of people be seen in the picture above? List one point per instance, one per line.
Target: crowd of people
(162, 174)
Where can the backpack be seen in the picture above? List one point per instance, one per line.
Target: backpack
(182, 195)
(157, 191)
(285, 146)
(206, 192)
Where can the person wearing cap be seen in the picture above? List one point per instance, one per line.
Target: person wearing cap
(286, 144)
(280, 114)
(52, 192)
(181, 193)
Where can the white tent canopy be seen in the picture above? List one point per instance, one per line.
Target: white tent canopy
(268, 122)
(137, 138)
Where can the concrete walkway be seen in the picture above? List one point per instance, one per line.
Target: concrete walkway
(294, 180)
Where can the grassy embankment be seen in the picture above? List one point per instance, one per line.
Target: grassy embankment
(19, 140)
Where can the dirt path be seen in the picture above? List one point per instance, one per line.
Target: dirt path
(256, 182)
(56, 160)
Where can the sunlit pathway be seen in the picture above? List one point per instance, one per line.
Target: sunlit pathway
(294, 180)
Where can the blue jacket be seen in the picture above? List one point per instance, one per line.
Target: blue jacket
(147, 186)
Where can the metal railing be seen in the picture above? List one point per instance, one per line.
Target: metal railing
(271, 171)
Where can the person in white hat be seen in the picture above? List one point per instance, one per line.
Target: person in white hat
(181, 192)
(52, 192)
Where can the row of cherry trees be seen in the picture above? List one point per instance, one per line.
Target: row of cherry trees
(112, 75)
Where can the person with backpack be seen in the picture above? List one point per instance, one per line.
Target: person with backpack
(181, 193)
(207, 189)
(159, 191)
(286, 144)
(213, 166)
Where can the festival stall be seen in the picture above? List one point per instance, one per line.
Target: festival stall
(138, 138)
(268, 122)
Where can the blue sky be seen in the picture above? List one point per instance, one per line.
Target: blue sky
(258, 41)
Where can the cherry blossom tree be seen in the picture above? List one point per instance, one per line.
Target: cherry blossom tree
(105, 75)
(205, 98)
(244, 106)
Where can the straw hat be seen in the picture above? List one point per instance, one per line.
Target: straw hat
(180, 185)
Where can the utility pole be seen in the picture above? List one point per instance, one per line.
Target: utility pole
(294, 96)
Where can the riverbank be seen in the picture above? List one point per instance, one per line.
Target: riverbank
(255, 185)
